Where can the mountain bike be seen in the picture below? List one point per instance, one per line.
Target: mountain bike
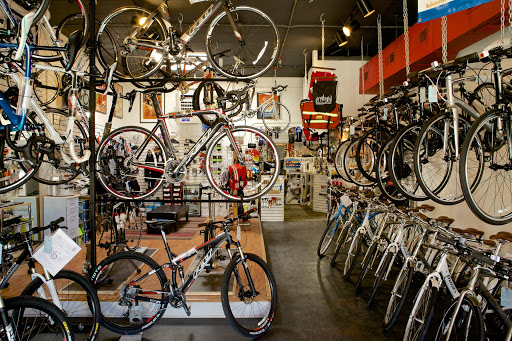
(241, 41)
(134, 163)
(143, 292)
(67, 290)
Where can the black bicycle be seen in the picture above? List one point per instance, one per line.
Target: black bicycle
(141, 291)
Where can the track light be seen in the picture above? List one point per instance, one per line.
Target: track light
(365, 7)
(138, 21)
(340, 38)
(350, 27)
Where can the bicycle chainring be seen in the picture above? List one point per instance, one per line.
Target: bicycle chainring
(169, 172)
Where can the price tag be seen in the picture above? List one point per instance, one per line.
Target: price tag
(345, 201)
(506, 297)
(352, 129)
(432, 94)
(385, 117)
(62, 249)
(423, 95)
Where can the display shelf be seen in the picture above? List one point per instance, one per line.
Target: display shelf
(272, 203)
(17, 215)
(319, 197)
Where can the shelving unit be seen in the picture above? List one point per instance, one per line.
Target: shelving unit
(272, 203)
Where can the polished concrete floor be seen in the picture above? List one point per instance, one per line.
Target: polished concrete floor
(315, 303)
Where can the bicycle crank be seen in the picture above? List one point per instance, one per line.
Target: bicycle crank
(172, 174)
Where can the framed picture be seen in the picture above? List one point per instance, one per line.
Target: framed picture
(269, 112)
(119, 104)
(147, 112)
(101, 101)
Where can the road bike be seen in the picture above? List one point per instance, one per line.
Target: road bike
(241, 41)
(134, 163)
(142, 291)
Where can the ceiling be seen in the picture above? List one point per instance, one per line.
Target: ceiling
(304, 31)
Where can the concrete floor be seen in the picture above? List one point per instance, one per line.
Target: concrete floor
(314, 302)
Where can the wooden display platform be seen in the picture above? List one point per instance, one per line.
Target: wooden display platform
(204, 294)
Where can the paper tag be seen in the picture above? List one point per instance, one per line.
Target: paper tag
(345, 200)
(422, 95)
(62, 250)
(352, 129)
(385, 117)
(47, 246)
(506, 297)
(432, 94)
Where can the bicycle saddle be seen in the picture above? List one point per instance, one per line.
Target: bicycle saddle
(73, 45)
(159, 223)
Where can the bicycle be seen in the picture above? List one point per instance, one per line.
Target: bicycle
(248, 291)
(143, 162)
(66, 290)
(143, 50)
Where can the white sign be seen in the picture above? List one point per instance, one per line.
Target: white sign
(59, 251)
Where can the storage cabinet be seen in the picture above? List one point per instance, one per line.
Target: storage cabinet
(193, 192)
(67, 207)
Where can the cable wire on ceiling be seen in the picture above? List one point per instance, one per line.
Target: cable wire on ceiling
(287, 29)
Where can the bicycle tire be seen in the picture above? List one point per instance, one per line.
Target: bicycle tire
(369, 146)
(114, 314)
(47, 175)
(260, 140)
(340, 242)
(386, 263)
(384, 182)
(46, 86)
(69, 294)
(16, 306)
(338, 160)
(284, 115)
(215, 45)
(366, 266)
(483, 97)
(475, 328)
(398, 169)
(488, 211)
(353, 255)
(327, 237)
(125, 69)
(11, 162)
(427, 300)
(398, 297)
(350, 166)
(133, 223)
(115, 183)
(243, 299)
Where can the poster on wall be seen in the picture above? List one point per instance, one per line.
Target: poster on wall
(147, 111)
(264, 99)
(433, 9)
(119, 103)
(101, 101)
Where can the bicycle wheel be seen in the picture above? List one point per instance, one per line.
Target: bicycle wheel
(78, 301)
(353, 254)
(366, 265)
(366, 155)
(135, 59)
(387, 187)
(15, 171)
(401, 163)
(421, 314)
(273, 112)
(46, 86)
(264, 163)
(51, 172)
(340, 242)
(130, 163)
(20, 8)
(398, 296)
(350, 166)
(468, 323)
(488, 198)
(33, 318)
(436, 167)
(252, 55)
(338, 160)
(386, 263)
(249, 312)
(131, 278)
(328, 236)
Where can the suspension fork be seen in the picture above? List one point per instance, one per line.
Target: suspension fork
(5, 321)
(246, 270)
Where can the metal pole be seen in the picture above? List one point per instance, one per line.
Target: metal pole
(92, 133)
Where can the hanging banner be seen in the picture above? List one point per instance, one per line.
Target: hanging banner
(432, 9)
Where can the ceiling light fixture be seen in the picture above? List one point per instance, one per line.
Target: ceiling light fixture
(365, 7)
(340, 38)
(350, 26)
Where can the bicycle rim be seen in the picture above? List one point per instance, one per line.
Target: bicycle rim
(276, 117)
